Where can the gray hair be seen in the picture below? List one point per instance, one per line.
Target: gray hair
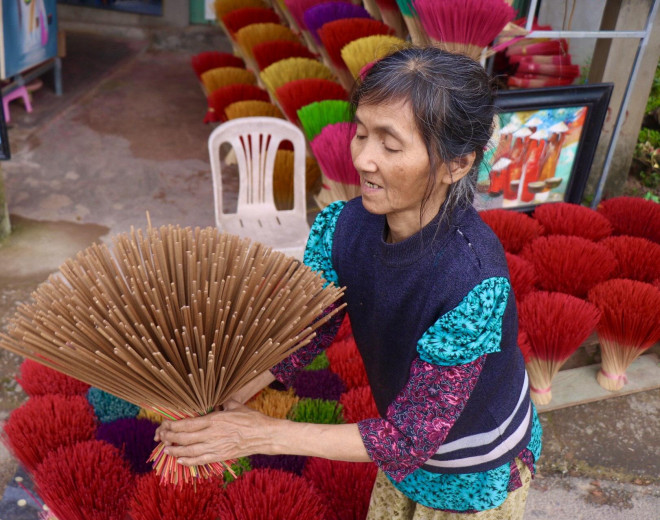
(451, 97)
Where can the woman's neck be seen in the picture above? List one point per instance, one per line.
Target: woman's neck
(403, 226)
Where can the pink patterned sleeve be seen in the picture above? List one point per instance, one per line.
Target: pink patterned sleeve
(286, 370)
(420, 418)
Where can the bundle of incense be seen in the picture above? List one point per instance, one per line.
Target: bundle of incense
(211, 59)
(291, 69)
(410, 18)
(317, 16)
(234, 21)
(219, 77)
(369, 49)
(256, 33)
(559, 46)
(391, 15)
(463, 26)
(222, 7)
(536, 81)
(554, 59)
(548, 69)
(174, 320)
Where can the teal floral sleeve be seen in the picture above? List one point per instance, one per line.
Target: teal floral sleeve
(318, 253)
(470, 330)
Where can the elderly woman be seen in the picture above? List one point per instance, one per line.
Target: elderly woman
(431, 307)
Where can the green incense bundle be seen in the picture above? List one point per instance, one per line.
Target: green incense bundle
(315, 116)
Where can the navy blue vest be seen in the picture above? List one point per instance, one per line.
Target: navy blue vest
(396, 292)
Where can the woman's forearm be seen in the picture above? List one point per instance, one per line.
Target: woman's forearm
(329, 441)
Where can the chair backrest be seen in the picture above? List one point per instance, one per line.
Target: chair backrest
(255, 141)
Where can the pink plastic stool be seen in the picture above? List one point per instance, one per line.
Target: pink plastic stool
(20, 92)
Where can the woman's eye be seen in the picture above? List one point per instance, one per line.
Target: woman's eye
(360, 137)
(390, 150)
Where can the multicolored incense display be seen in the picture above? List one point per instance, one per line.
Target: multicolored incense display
(174, 320)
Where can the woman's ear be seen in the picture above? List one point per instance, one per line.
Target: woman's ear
(458, 168)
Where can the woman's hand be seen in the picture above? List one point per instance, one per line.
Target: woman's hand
(236, 432)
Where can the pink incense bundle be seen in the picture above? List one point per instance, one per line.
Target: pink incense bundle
(522, 274)
(563, 218)
(221, 98)
(346, 486)
(272, 51)
(633, 216)
(638, 258)
(629, 325)
(332, 151)
(463, 26)
(151, 501)
(514, 229)
(44, 423)
(37, 379)
(568, 264)
(359, 404)
(273, 494)
(86, 481)
(213, 59)
(556, 325)
(298, 93)
(235, 20)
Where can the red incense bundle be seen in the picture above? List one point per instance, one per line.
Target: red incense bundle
(556, 325)
(563, 218)
(630, 324)
(553, 59)
(235, 20)
(548, 47)
(522, 274)
(298, 93)
(221, 98)
(512, 228)
(638, 258)
(212, 60)
(269, 52)
(633, 216)
(549, 69)
(534, 81)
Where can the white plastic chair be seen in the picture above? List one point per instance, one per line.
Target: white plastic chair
(255, 141)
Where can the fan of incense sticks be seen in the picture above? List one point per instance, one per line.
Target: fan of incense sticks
(174, 320)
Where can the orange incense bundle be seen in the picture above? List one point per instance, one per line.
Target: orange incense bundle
(563, 218)
(638, 258)
(629, 325)
(556, 325)
(298, 93)
(252, 108)
(213, 79)
(234, 21)
(256, 33)
(569, 264)
(270, 52)
(174, 320)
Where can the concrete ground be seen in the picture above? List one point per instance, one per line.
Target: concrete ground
(127, 137)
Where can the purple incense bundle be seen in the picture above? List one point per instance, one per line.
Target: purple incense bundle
(291, 463)
(317, 16)
(332, 151)
(133, 437)
(319, 384)
(297, 9)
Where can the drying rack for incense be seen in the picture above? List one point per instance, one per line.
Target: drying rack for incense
(174, 320)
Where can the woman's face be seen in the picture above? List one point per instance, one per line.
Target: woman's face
(390, 155)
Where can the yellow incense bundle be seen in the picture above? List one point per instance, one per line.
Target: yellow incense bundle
(291, 69)
(363, 51)
(219, 77)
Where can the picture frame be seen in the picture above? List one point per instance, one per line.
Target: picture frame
(544, 146)
(5, 155)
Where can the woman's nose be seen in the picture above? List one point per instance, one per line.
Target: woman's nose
(363, 155)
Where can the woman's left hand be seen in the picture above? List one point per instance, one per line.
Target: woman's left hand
(237, 431)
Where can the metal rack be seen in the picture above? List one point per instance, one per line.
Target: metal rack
(643, 37)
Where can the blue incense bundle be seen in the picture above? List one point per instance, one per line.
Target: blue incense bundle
(317, 16)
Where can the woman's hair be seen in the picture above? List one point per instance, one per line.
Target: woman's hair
(451, 97)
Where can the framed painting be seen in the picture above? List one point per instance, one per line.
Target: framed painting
(543, 147)
(149, 7)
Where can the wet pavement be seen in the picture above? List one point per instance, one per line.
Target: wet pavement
(127, 138)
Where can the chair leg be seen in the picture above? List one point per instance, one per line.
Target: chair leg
(20, 92)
